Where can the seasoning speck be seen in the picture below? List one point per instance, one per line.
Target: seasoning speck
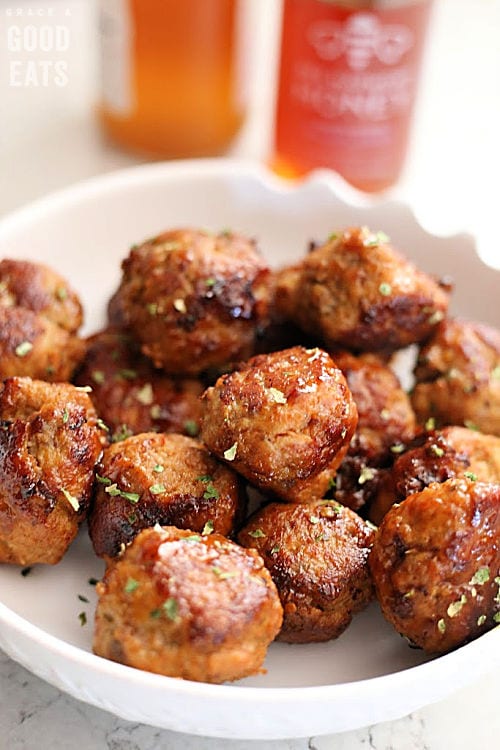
(83, 618)
(26, 571)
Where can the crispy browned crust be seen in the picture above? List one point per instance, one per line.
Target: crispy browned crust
(288, 418)
(39, 317)
(385, 419)
(173, 480)
(438, 455)
(193, 299)
(435, 563)
(356, 291)
(178, 604)
(132, 396)
(317, 555)
(458, 376)
(49, 443)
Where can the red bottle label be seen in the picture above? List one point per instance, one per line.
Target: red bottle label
(347, 85)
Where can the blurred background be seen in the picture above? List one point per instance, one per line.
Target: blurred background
(50, 135)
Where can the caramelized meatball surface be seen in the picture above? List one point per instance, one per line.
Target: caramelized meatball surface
(317, 554)
(385, 419)
(439, 455)
(435, 563)
(39, 317)
(358, 292)
(283, 421)
(458, 376)
(159, 478)
(182, 605)
(132, 396)
(49, 445)
(193, 299)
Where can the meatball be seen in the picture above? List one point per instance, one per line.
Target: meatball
(317, 554)
(356, 291)
(439, 455)
(194, 300)
(283, 421)
(435, 563)
(131, 395)
(49, 445)
(458, 376)
(386, 419)
(39, 317)
(167, 479)
(182, 605)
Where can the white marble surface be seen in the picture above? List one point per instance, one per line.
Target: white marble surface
(48, 139)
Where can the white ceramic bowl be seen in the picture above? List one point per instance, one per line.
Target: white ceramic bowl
(369, 674)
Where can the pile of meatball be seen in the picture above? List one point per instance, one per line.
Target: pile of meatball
(217, 380)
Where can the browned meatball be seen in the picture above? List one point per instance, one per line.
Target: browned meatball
(179, 604)
(284, 421)
(193, 299)
(436, 564)
(49, 444)
(386, 419)
(356, 291)
(166, 479)
(458, 376)
(130, 395)
(317, 555)
(39, 317)
(439, 455)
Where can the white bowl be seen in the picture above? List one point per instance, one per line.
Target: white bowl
(369, 674)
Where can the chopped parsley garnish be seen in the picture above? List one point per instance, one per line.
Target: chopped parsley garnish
(277, 396)
(455, 607)
(385, 289)
(145, 395)
(205, 478)
(152, 308)
(103, 480)
(23, 348)
(83, 598)
(481, 620)
(495, 373)
(191, 428)
(98, 377)
(480, 577)
(430, 424)
(275, 549)
(61, 293)
(496, 617)
(437, 450)
(208, 528)
(397, 448)
(131, 585)
(333, 236)
(230, 453)
(81, 388)
(257, 534)
(127, 373)
(157, 489)
(210, 282)
(211, 493)
(436, 317)
(71, 500)
(314, 519)
(366, 475)
(470, 475)
(102, 425)
(83, 618)
(114, 491)
(132, 518)
(122, 433)
(65, 416)
(192, 538)
(171, 608)
(441, 626)
(93, 581)
(158, 468)
(470, 425)
(155, 411)
(180, 306)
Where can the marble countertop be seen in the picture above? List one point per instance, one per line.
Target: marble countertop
(48, 140)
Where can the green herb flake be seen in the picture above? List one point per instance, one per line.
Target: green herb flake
(103, 480)
(127, 373)
(436, 317)
(230, 453)
(155, 614)
(61, 293)
(385, 289)
(155, 411)
(65, 416)
(145, 395)
(441, 626)
(171, 608)
(71, 500)
(397, 448)
(385, 414)
(158, 469)
(437, 450)
(98, 377)
(208, 528)
(455, 607)
(157, 489)
(205, 478)
(224, 575)
(365, 475)
(481, 620)
(122, 433)
(23, 348)
(93, 581)
(333, 236)
(471, 425)
(495, 373)
(496, 617)
(277, 396)
(152, 308)
(26, 571)
(102, 425)
(83, 618)
(131, 585)
(210, 282)
(211, 493)
(470, 475)
(314, 519)
(275, 549)
(192, 538)
(132, 518)
(430, 424)
(82, 388)
(83, 599)
(191, 427)
(480, 577)
(132, 497)
(257, 534)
